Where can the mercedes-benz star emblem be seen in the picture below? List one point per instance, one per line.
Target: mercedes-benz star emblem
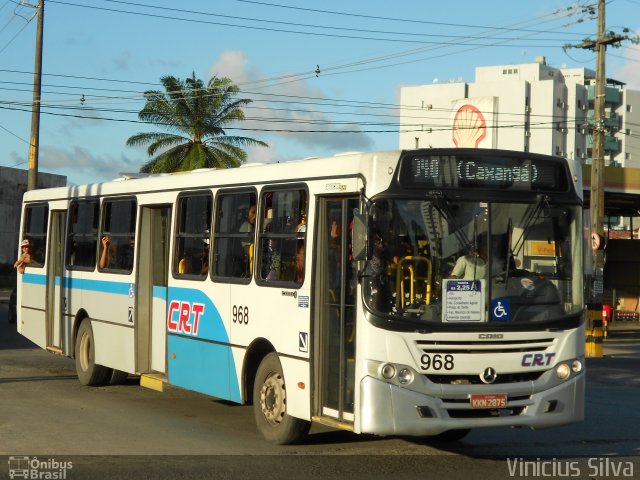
(489, 375)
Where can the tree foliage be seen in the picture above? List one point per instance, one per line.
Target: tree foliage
(194, 117)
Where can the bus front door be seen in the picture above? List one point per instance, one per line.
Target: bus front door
(335, 333)
(55, 285)
(151, 298)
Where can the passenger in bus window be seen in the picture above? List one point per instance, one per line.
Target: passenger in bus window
(376, 271)
(249, 225)
(25, 256)
(302, 224)
(473, 265)
(185, 266)
(107, 255)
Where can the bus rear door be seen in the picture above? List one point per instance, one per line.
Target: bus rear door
(55, 302)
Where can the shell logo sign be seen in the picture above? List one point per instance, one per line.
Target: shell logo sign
(469, 127)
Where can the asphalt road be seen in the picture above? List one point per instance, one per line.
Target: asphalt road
(127, 431)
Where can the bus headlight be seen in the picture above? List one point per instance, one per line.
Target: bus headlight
(388, 371)
(405, 376)
(563, 371)
(576, 366)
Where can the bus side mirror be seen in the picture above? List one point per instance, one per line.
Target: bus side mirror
(359, 240)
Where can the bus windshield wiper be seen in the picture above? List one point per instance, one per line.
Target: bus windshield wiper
(509, 251)
(530, 217)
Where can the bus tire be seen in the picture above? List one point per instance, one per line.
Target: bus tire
(88, 372)
(270, 405)
(118, 377)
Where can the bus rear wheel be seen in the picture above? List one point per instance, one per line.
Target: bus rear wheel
(88, 372)
(270, 405)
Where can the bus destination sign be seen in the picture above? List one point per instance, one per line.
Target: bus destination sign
(483, 171)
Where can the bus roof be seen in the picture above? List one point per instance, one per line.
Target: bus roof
(350, 164)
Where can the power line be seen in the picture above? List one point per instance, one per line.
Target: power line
(394, 19)
(530, 125)
(272, 29)
(16, 35)
(15, 135)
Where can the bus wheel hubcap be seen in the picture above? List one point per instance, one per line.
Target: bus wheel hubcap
(85, 351)
(272, 398)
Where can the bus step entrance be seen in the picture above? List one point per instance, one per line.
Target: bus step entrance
(154, 381)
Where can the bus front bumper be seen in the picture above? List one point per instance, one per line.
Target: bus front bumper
(387, 409)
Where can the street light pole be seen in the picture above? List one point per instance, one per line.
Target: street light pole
(32, 179)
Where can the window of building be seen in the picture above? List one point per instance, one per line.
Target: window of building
(281, 239)
(117, 236)
(191, 257)
(82, 235)
(629, 108)
(35, 230)
(234, 236)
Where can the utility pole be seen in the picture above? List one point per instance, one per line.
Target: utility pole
(34, 144)
(596, 198)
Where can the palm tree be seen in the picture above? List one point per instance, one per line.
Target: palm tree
(195, 116)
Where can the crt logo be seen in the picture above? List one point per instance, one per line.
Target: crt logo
(184, 317)
(537, 359)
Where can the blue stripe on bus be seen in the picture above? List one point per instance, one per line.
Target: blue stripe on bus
(160, 292)
(34, 278)
(119, 288)
(204, 366)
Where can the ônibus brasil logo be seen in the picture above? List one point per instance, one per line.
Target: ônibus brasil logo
(34, 468)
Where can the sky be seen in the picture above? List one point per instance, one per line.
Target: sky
(323, 77)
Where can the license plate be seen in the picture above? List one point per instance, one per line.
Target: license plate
(488, 401)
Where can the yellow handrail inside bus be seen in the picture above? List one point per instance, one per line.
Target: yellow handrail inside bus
(407, 272)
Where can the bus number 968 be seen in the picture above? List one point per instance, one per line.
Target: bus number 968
(240, 314)
(436, 362)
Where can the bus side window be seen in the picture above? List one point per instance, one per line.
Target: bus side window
(35, 230)
(282, 236)
(191, 256)
(235, 218)
(82, 235)
(117, 236)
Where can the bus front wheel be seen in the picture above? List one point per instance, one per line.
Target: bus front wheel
(88, 372)
(270, 405)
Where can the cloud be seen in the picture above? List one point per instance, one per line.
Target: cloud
(258, 154)
(81, 166)
(291, 110)
(86, 118)
(123, 62)
(628, 73)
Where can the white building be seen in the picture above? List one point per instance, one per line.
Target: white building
(530, 107)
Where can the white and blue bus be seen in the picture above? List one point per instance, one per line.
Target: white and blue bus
(424, 292)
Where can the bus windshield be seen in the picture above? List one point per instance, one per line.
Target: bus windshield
(457, 262)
